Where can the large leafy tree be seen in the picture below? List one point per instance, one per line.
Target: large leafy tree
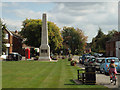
(99, 42)
(2, 28)
(74, 39)
(0, 37)
(31, 31)
(3, 36)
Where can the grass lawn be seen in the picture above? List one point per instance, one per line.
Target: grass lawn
(36, 74)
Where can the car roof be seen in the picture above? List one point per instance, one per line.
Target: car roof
(100, 58)
(111, 58)
(14, 53)
(90, 56)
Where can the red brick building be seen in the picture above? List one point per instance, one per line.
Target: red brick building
(17, 43)
(8, 41)
(13, 42)
(87, 50)
(111, 45)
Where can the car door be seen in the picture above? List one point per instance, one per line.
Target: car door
(102, 65)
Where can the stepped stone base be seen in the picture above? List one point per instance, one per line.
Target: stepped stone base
(44, 59)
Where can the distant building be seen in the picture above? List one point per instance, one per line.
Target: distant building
(8, 41)
(13, 42)
(113, 45)
(118, 49)
(87, 50)
(17, 43)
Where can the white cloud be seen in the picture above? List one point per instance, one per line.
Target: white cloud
(87, 16)
(6, 4)
(0, 9)
(60, 0)
(13, 24)
(27, 13)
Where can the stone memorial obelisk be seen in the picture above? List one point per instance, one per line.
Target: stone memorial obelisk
(44, 48)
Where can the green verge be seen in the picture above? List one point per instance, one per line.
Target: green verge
(36, 74)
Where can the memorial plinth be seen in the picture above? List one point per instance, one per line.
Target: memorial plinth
(44, 48)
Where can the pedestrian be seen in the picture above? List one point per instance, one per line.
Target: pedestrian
(112, 69)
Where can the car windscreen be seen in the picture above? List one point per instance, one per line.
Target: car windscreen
(92, 60)
(89, 57)
(109, 60)
(99, 60)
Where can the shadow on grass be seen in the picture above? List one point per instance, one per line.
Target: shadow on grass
(72, 83)
(68, 65)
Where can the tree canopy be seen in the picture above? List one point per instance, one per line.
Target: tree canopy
(74, 39)
(99, 42)
(2, 28)
(32, 32)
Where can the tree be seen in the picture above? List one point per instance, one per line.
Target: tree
(74, 39)
(0, 37)
(2, 28)
(32, 32)
(99, 42)
(3, 36)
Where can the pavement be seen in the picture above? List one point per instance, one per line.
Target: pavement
(102, 79)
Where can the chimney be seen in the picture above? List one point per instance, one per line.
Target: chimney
(16, 32)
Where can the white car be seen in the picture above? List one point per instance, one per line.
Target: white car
(3, 57)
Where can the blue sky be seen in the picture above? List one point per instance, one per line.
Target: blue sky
(88, 16)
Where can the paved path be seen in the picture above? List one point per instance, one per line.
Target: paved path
(102, 79)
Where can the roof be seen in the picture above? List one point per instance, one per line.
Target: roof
(8, 31)
(18, 35)
(111, 58)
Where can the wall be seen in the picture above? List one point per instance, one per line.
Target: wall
(118, 49)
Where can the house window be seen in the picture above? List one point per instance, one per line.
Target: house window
(6, 36)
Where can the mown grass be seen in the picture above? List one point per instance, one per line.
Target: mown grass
(36, 74)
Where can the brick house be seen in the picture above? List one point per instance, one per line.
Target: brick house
(111, 45)
(8, 40)
(87, 50)
(13, 42)
(118, 49)
(17, 43)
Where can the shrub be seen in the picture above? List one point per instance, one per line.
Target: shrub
(69, 59)
(73, 62)
(36, 58)
(63, 57)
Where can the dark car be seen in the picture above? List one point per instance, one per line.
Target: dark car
(87, 58)
(97, 62)
(84, 57)
(14, 57)
(90, 61)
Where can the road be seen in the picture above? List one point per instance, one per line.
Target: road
(102, 79)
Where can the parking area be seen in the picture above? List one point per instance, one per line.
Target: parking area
(102, 79)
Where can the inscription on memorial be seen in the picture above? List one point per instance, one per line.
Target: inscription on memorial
(44, 51)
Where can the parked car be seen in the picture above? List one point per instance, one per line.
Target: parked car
(3, 57)
(105, 64)
(97, 62)
(88, 58)
(84, 57)
(14, 57)
(90, 61)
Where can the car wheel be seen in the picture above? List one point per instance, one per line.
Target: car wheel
(101, 72)
(104, 72)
